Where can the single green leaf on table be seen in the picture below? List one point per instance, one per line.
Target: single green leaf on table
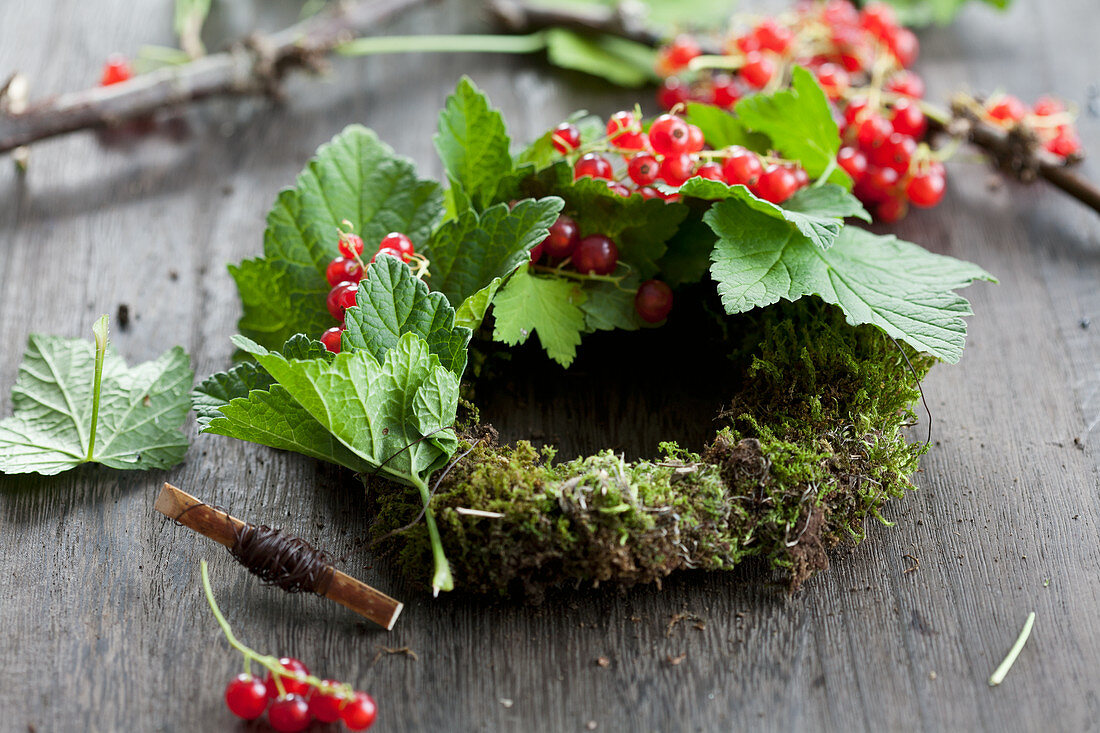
(473, 144)
(618, 60)
(800, 125)
(721, 129)
(895, 285)
(354, 177)
(548, 306)
(817, 212)
(392, 302)
(469, 252)
(77, 402)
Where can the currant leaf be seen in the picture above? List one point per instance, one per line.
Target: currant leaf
(609, 306)
(721, 129)
(473, 144)
(61, 420)
(817, 212)
(469, 252)
(895, 285)
(354, 177)
(800, 125)
(618, 60)
(548, 306)
(472, 312)
(392, 302)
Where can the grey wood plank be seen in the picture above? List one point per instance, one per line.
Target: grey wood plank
(104, 627)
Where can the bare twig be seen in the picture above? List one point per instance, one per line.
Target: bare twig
(251, 67)
(625, 19)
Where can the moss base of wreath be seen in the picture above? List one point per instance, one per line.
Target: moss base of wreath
(812, 446)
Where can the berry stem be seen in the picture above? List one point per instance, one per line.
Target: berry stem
(442, 578)
(472, 43)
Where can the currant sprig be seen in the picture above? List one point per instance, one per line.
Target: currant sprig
(290, 695)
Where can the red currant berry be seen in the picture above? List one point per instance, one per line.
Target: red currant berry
(853, 162)
(350, 245)
(117, 69)
(772, 37)
(399, 242)
(878, 18)
(672, 94)
(1047, 106)
(536, 253)
(246, 697)
(758, 70)
(908, 119)
(623, 131)
(743, 168)
(669, 135)
(618, 189)
(675, 169)
(747, 43)
(1065, 143)
(596, 255)
(360, 712)
(776, 184)
(711, 171)
(326, 708)
(839, 12)
(681, 51)
(856, 110)
(895, 152)
(649, 192)
(643, 169)
(566, 138)
(340, 298)
(653, 301)
(905, 46)
(1007, 109)
(342, 270)
(877, 185)
(333, 338)
(294, 683)
(907, 84)
(726, 92)
(834, 80)
(801, 177)
(891, 210)
(926, 190)
(592, 165)
(563, 238)
(873, 131)
(289, 714)
(696, 141)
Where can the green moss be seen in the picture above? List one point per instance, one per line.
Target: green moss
(812, 446)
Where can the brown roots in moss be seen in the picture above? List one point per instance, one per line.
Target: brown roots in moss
(812, 446)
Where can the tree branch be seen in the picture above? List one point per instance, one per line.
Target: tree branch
(252, 67)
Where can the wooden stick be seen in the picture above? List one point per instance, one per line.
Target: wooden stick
(217, 525)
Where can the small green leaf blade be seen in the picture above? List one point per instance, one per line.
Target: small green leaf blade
(392, 302)
(618, 60)
(547, 306)
(473, 144)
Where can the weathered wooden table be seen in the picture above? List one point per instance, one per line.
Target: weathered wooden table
(102, 623)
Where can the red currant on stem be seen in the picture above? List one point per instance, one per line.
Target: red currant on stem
(360, 712)
(777, 184)
(333, 338)
(676, 169)
(624, 131)
(350, 245)
(669, 135)
(566, 138)
(672, 94)
(742, 167)
(563, 237)
(908, 119)
(758, 70)
(895, 152)
(891, 210)
(772, 36)
(246, 697)
(653, 301)
(1065, 143)
(853, 162)
(904, 45)
(878, 18)
(343, 269)
(643, 169)
(927, 189)
(592, 165)
(833, 79)
(293, 684)
(289, 714)
(326, 708)
(872, 131)
(696, 141)
(726, 91)
(595, 255)
(907, 84)
(399, 243)
(117, 69)
(340, 298)
(712, 171)
(1007, 109)
(681, 51)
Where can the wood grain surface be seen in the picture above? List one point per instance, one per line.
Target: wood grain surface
(102, 622)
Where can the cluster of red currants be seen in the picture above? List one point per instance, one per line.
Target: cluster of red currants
(861, 59)
(598, 255)
(345, 272)
(672, 152)
(292, 701)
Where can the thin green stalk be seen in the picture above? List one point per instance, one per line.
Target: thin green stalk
(532, 43)
(442, 578)
(999, 675)
(100, 331)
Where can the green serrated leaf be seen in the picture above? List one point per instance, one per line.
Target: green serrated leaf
(127, 418)
(895, 285)
(548, 306)
(816, 212)
(618, 60)
(392, 302)
(472, 312)
(688, 257)
(468, 253)
(354, 177)
(473, 144)
(610, 306)
(799, 124)
(721, 129)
